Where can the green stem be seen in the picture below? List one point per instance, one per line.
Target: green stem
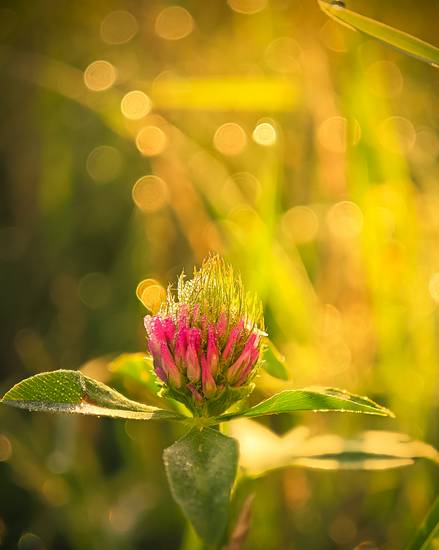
(427, 530)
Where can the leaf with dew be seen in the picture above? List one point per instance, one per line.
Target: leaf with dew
(317, 399)
(137, 367)
(201, 469)
(273, 361)
(68, 391)
(400, 40)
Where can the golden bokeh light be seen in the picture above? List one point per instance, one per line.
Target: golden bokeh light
(104, 163)
(247, 7)
(265, 134)
(385, 78)
(143, 285)
(283, 55)
(135, 105)
(100, 75)
(397, 134)
(174, 23)
(345, 220)
(152, 297)
(150, 193)
(300, 224)
(230, 139)
(151, 141)
(119, 27)
(433, 287)
(336, 133)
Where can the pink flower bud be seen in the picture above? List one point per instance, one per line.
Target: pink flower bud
(234, 371)
(212, 351)
(205, 341)
(192, 363)
(169, 329)
(160, 373)
(235, 333)
(180, 346)
(248, 368)
(169, 367)
(209, 386)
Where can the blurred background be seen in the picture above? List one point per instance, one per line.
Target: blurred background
(136, 137)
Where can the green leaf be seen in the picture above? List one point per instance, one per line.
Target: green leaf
(138, 367)
(425, 535)
(72, 392)
(201, 469)
(393, 37)
(274, 361)
(370, 450)
(315, 399)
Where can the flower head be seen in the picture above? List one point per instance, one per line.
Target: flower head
(205, 340)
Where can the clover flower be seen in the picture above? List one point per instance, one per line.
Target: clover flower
(205, 341)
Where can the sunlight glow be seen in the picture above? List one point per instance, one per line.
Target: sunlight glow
(152, 297)
(230, 139)
(247, 7)
(100, 75)
(300, 224)
(345, 220)
(283, 55)
(135, 105)
(150, 193)
(151, 141)
(174, 23)
(143, 285)
(118, 27)
(265, 134)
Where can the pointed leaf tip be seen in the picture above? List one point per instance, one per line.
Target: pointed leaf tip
(201, 469)
(400, 40)
(316, 399)
(72, 392)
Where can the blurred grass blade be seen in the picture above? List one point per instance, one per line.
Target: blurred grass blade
(370, 450)
(70, 391)
(274, 361)
(424, 536)
(245, 94)
(315, 399)
(393, 37)
(201, 469)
